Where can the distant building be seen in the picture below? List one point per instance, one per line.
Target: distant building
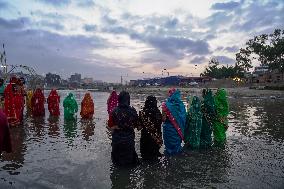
(262, 74)
(189, 81)
(52, 80)
(87, 80)
(260, 70)
(64, 82)
(98, 82)
(168, 81)
(75, 78)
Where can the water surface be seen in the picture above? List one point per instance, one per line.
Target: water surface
(51, 153)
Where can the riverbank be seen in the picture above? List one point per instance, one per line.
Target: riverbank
(239, 92)
(233, 92)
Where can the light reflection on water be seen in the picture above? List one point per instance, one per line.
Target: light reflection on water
(52, 153)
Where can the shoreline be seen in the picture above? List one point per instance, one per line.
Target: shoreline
(239, 92)
(233, 92)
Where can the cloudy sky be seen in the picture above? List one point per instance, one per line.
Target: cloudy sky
(105, 39)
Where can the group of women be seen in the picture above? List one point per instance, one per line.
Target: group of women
(15, 97)
(194, 126)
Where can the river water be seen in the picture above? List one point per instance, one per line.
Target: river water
(51, 153)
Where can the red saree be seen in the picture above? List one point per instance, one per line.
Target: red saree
(53, 101)
(38, 103)
(11, 103)
(112, 102)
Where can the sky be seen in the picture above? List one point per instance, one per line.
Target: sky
(107, 39)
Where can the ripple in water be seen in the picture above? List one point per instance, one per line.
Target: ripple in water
(52, 153)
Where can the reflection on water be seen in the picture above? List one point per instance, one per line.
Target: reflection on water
(15, 160)
(258, 118)
(53, 126)
(37, 128)
(195, 169)
(50, 152)
(88, 127)
(70, 128)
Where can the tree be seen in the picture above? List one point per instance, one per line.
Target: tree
(215, 70)
(268, 49)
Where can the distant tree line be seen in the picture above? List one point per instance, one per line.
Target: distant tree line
(218, 71)
(267, 49)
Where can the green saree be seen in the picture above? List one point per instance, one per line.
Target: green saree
(220, 124)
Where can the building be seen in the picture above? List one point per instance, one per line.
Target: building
(168, 81)
(87, 80)
(75, 78)
(259, 75)
(98, 82)
(189, 81)
(262, 74)
(52, 80)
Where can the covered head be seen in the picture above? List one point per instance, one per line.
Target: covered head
(171, 91)
(70, 95)
(23, 81)
(207, 93)
(13, 80)
(113, 93)
(38, 91)
(88, 96)
(175, 104)
(113, 97)
(124, 98)
(151, 102)
(53, 92)
(70, 100)
(221, 94)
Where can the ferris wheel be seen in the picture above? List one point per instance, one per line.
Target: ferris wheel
(7, 69)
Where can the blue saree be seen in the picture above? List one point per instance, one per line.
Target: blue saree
(172, 138)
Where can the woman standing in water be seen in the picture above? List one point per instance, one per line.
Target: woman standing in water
(150, 120)
(11, 101)
(53, 101)
(123, 120)
(87, 107)
(174, 116)
(70, 107)
(112, 102)
(193, 126)
(220, 124)
(208, 115)
(29, 100)
(38, 103)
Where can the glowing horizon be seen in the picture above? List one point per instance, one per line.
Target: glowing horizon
(107, 39)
